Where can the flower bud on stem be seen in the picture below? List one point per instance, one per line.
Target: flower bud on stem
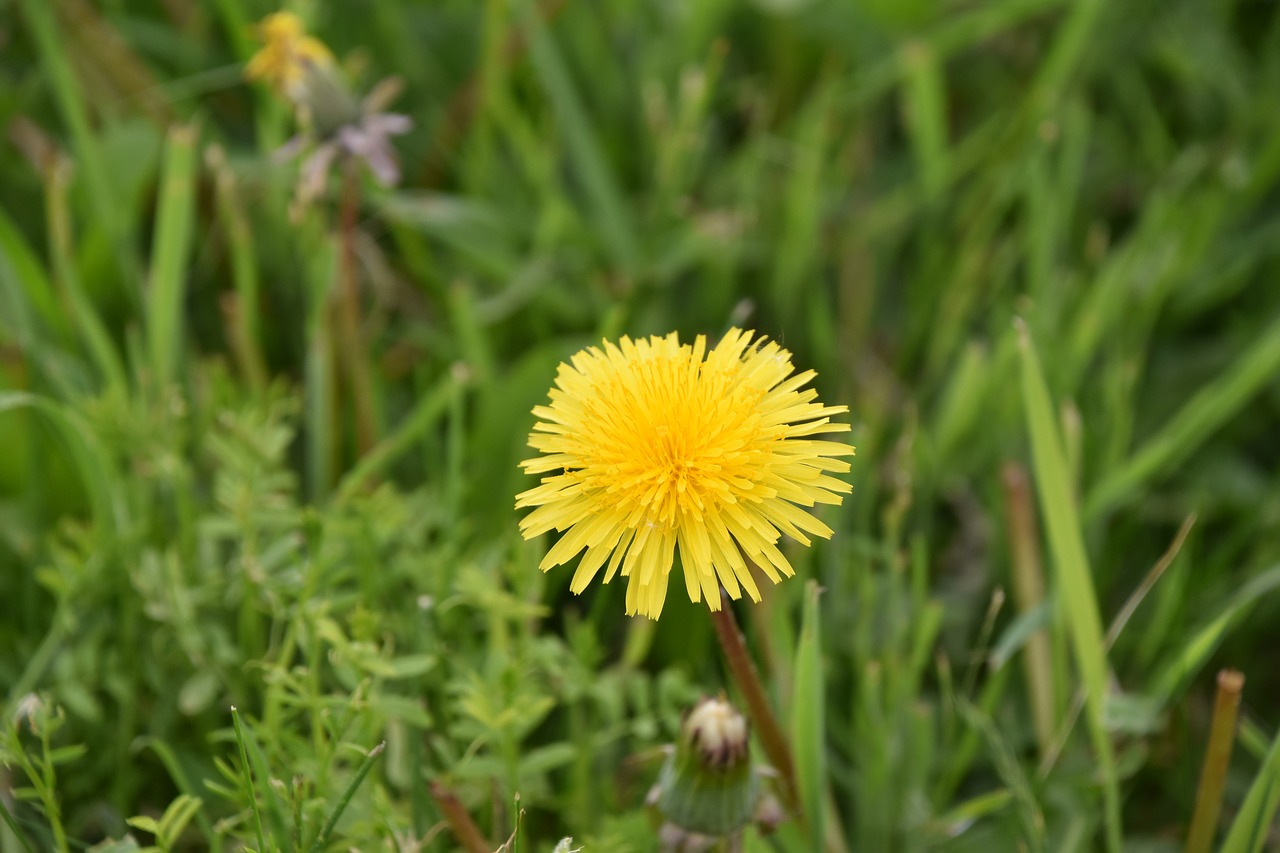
(708, 791)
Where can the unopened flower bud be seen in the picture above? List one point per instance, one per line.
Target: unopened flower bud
(707, 786)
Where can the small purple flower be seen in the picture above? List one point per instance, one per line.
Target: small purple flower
(342, 129)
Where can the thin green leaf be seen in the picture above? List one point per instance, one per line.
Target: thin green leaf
(248, 781)
(1077, 598)
(808, 733)
(172, 244)
(1250, 829)
(1213, 406)
(175, 819)
(1191, 654)
(347, 794)
(588, 160)
(99, 481)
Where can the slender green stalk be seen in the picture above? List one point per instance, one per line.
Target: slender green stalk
(1250, 829)
(1213, 406)
(1217, 757)
(361, 772)
(43, 777)
(14, 828)
(808, 719)
(473, 96)
(612, 216)
(245, 333)
(167, 284)
(379, 459)
(1162, 565)
(925, 108)
(299, 795)
(248, 778)
(1075, 581)
(1113, 633)
(41, 17)
(66, 277)
(320, 412)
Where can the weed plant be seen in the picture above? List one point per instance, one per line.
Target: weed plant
(261, 456)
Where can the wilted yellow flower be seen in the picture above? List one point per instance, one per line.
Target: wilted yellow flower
(286, 52)
(650, 448)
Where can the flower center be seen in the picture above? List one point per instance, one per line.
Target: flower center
(663, 451)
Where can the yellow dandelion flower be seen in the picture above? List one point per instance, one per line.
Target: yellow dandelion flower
(286, 52)
(652, 446)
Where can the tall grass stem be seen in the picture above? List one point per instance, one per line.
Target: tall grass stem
(1217, 758)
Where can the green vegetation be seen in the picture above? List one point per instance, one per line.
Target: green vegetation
(262, 457)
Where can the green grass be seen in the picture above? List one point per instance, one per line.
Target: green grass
(1026, 232)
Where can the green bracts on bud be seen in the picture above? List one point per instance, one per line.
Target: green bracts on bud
(324, 98)
(708, 788)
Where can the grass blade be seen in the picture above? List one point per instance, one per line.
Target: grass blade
(88, 323)
(1030, 815)
(1197, 648)
(924, 106)
(245, 332)
(1075, 583)
(41, 16)
(90, 458)
(347, 794)
(587, 159)
(248, 780)
(808, 741)
(425, 415)
(1249, 830)
(27, 286)
(14, 829)
(169, 253)
(1212, 406)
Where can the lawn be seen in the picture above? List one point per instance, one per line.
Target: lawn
(277, 309)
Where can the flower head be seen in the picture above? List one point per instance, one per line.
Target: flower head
(287, 53)
(367, 138)
(652, 446)
(337, 125)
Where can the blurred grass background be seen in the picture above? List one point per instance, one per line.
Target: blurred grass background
(268, 461)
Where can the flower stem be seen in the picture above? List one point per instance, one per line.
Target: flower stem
(464, 828)
(351, 348)
(745, 674)
(1222, 734)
